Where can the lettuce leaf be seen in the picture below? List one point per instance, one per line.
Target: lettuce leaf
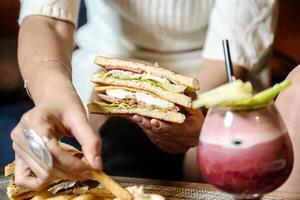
(166, 86)
(125, 105)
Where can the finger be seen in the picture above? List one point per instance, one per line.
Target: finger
(172, 129)
(42, 174)
(88, 139)
(68, 166)
(168, 145)
(190, 128)
(67, 163)
(159, 126)
(144, 122)
(191, 94)
(137, 118)
(23, 172)
(35, 171)
(21, 147)
(170, 132)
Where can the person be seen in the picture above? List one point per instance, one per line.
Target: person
(184, 36)
(288, 106)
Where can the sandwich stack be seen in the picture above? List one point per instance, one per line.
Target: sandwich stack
(130, 87)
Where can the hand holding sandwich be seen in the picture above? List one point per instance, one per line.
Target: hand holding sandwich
(159, 99)
(173, 138)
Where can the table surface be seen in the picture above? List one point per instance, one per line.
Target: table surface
(201, 186)
(194, 186)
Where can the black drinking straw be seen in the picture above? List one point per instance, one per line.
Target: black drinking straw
(228, 63)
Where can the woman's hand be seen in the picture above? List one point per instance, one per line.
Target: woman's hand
(61, 115)
(44, 53)
(173, 138)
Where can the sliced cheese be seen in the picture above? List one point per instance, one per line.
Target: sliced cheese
(149, 100)
(141, 97)
(119, 93)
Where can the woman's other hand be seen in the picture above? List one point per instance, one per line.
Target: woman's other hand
(173, 138)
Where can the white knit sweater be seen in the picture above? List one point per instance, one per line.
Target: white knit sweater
(178, 34)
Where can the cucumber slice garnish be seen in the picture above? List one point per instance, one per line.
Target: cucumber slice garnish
(270, 93)
(224, 95)
(238, 96)
(265, 96)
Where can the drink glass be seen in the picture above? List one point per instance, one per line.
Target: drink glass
(245, 153)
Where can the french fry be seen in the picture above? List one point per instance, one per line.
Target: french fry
(42, 196)
(84, 197)
(112, 186)
(101, 193)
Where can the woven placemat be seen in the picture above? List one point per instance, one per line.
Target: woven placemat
(176, 193)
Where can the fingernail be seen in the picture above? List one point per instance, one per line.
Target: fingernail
(97, 163)
(137, 119)
(155, 123)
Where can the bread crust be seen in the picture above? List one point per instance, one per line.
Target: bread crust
(190, 82)
(170, 116)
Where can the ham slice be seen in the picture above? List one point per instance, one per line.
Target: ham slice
(131, 101)
(115, 100)
(124, 68)
(110, 99)
(160, 76)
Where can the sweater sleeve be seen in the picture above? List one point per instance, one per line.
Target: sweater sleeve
(59, 9)
(249, 26)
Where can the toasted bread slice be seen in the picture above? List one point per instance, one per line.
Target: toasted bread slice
(191, 83)
(170, 116)
(9, 169)
(177, 98)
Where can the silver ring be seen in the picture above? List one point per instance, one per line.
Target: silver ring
(38, 146)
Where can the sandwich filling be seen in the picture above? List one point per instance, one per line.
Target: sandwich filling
(119, 97)
(126, 73)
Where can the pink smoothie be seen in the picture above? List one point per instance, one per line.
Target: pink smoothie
(244, 153)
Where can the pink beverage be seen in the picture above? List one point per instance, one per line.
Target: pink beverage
(245, 153)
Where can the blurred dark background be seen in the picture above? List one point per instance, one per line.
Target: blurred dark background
(14, 100)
